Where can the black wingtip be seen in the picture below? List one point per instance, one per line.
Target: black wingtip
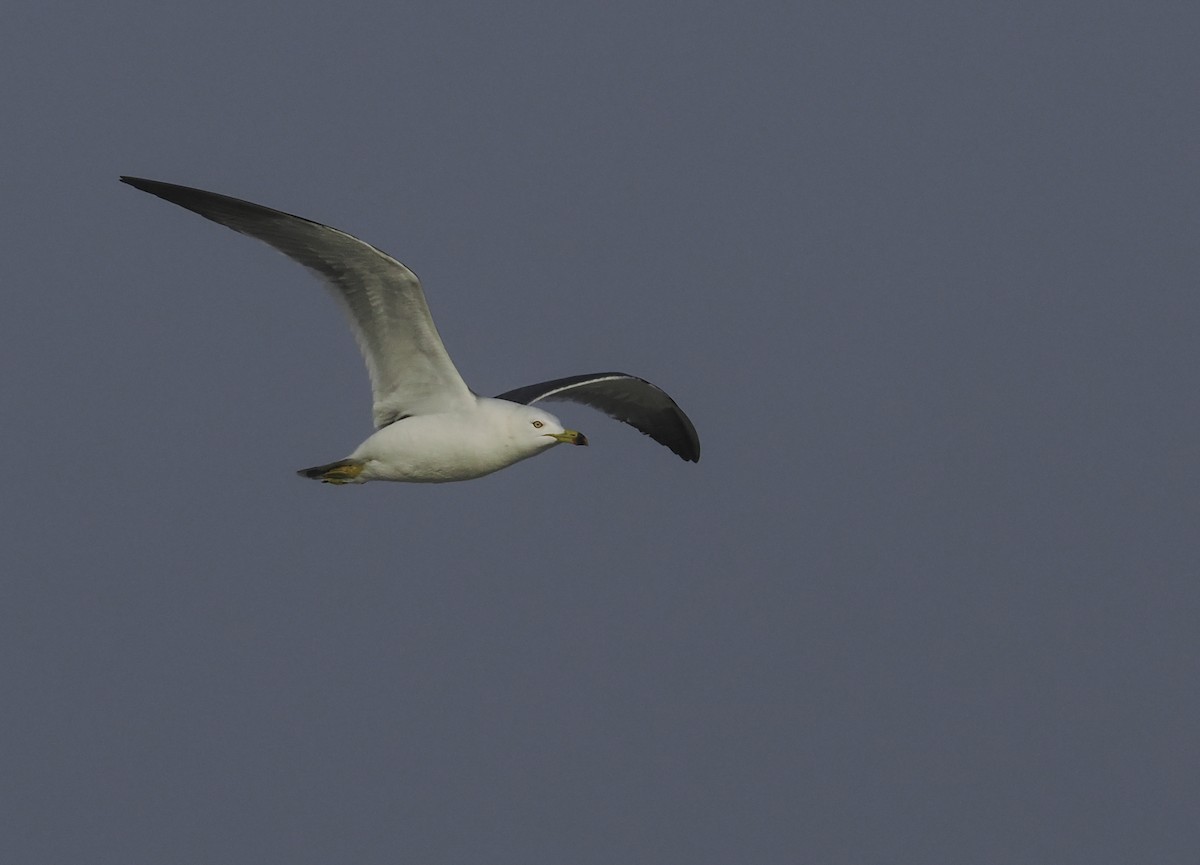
(168, 191)
(689, 452)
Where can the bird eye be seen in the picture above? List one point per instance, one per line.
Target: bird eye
(537, 424)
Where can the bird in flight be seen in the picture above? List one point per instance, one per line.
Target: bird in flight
(429, 426)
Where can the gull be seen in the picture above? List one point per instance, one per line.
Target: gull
(429, 426)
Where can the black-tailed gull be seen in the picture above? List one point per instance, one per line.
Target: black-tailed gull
(429, 426)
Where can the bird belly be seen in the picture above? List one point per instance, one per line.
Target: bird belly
(433, 449)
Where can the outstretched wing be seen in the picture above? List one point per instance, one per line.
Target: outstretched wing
(410, 370)
(627, 398)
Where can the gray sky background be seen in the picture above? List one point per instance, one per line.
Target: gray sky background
(925, 277)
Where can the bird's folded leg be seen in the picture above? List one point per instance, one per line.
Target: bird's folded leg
(341, 472)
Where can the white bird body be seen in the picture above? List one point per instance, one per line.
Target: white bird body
(458, 445)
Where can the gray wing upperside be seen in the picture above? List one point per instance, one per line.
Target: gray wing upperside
(626, 398)
(411, 373)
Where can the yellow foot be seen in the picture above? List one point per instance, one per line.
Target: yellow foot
(341, 472)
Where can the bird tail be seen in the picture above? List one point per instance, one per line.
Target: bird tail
(342, 472)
